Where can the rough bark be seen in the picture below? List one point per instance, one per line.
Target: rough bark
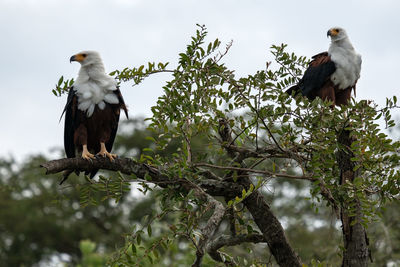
(356, 252)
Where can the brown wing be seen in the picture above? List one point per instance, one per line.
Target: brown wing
(316, 79)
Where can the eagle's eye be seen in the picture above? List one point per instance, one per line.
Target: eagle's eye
(337, 30)
(84, 55)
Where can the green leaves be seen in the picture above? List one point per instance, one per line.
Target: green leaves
(137, 75)
(62, 86)
(112, 187)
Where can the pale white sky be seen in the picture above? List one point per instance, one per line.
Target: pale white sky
(39, 36)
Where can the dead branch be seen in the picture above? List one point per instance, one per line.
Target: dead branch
(209, 229)
(225, 240)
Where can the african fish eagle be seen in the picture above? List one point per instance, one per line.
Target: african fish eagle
(331, 75)
(92, 110)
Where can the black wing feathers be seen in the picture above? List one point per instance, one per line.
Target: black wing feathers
(316, 75)
(69, 127)
(121, 104)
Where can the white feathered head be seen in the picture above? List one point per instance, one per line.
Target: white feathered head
(86, 58)
(337, 34)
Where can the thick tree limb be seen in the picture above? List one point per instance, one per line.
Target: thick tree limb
(123, 165)
(356, 252)
(271, 228)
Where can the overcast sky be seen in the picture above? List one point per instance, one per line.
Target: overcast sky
(39, 36)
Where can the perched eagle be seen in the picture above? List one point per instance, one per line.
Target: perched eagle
(331, 75)
(92, 110)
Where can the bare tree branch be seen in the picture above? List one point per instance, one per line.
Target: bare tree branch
(225, 240)
(209, 229)
(271, 174)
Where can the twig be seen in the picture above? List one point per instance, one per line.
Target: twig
(263, 122)
(272, 174)
(269, 132)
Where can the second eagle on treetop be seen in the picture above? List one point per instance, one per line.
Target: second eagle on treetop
(331, 75)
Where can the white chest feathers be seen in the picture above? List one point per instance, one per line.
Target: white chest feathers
(348, 66)
(94, 88)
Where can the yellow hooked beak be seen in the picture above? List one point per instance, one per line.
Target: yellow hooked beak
(78, 57)
(332, 32)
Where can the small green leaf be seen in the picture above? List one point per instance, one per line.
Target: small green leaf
(60, 80)
(150, 259)
(133, 249)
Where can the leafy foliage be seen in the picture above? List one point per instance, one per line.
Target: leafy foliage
(261, 116)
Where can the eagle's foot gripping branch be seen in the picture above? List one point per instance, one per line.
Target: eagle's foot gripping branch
(104, 153)
(86, 154)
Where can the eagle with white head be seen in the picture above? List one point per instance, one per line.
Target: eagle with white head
(92, 110)
(331, 75)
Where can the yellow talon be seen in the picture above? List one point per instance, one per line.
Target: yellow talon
(107, 154)
(86, 154)
(104, 153)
